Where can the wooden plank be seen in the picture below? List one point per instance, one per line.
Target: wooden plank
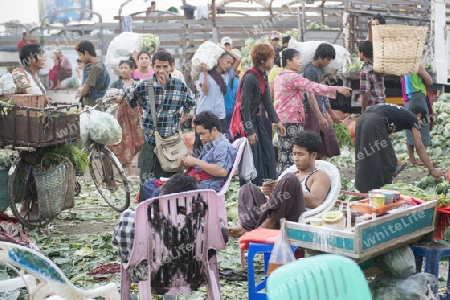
(160, 19)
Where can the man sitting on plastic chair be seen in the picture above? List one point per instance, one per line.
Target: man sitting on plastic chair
(293, 194)
(211, 167)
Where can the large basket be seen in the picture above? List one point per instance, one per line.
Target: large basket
(398, 49)
(55, 188)
(4, 200)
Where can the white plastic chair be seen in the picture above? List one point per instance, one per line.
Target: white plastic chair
(240, 144)
(52, 280)
(327, 205)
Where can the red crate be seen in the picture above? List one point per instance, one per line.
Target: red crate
(443, 221)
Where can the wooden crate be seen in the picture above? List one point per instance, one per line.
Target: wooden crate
(368, 239)
(26, 100)
(49, 128)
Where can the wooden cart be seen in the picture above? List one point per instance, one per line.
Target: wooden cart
(370, 238)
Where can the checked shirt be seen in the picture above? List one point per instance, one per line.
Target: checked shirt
(169, 100)
(373, 83)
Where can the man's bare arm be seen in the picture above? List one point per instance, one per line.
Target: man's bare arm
(320, 186)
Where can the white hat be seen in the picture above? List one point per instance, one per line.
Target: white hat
(225, 40)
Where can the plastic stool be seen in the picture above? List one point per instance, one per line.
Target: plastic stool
(254, 289)
(433, 254)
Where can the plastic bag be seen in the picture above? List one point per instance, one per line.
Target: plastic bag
(104, 128)
(7, 85)
(208, 53)
(308, 49)
(281, 253)
(84, 129)
(121, 48)
(419, 286)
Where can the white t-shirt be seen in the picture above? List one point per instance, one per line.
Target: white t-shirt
(35, 88)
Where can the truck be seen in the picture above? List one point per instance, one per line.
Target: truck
(435, 14)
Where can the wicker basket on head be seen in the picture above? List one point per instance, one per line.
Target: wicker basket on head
(397, 49)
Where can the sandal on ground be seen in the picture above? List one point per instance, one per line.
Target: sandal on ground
(399, 169)
(30, 217)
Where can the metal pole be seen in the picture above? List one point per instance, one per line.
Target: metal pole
(102, 42)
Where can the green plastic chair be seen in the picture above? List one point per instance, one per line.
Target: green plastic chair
(321, 277)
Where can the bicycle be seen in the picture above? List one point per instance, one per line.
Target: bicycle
(105, 169)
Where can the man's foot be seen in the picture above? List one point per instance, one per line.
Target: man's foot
(415, 162)
(236, 231)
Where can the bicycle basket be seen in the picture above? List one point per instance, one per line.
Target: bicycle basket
(55, 187)
(4, 199)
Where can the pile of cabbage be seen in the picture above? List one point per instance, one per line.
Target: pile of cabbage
(246, 61)
(441, 131)
(5, 159)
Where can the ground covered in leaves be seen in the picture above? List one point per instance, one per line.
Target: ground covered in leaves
(80, 240)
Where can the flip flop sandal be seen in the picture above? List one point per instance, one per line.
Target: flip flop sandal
(30, 217)
(399, 169)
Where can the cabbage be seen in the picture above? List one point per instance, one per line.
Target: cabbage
(149, 42)
(100, 127)
(399, 263)
(416, 287)
(5, 159)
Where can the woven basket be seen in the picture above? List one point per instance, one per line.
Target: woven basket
(398, 49)
(55, 188)
(4, 199)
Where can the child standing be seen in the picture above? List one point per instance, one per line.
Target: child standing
(371, 82)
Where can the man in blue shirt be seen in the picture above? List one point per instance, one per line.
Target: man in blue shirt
(212, 166)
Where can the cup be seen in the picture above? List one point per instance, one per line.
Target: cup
(388, 197)
(396, 197)
(370, 196)
(378, 200)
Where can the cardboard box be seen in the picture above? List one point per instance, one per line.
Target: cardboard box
(26, 100)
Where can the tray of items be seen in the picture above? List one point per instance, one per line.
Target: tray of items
(369, 234)
(31, 126)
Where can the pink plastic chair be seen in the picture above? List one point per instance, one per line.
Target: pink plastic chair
(221, 195)
(178, 235)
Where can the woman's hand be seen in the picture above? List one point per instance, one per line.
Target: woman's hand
(344, 90)
(252, 139)
(204, 67)
(281, 129)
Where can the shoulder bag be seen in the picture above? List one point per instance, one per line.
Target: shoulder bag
(170, 149)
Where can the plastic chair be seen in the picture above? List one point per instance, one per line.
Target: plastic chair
(321, 277)
(177, 235)
(52, 280)
(432, 254)
(240, 144)
(328, 204)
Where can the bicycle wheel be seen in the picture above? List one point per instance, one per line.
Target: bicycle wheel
(109, 177)
(22, 194)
